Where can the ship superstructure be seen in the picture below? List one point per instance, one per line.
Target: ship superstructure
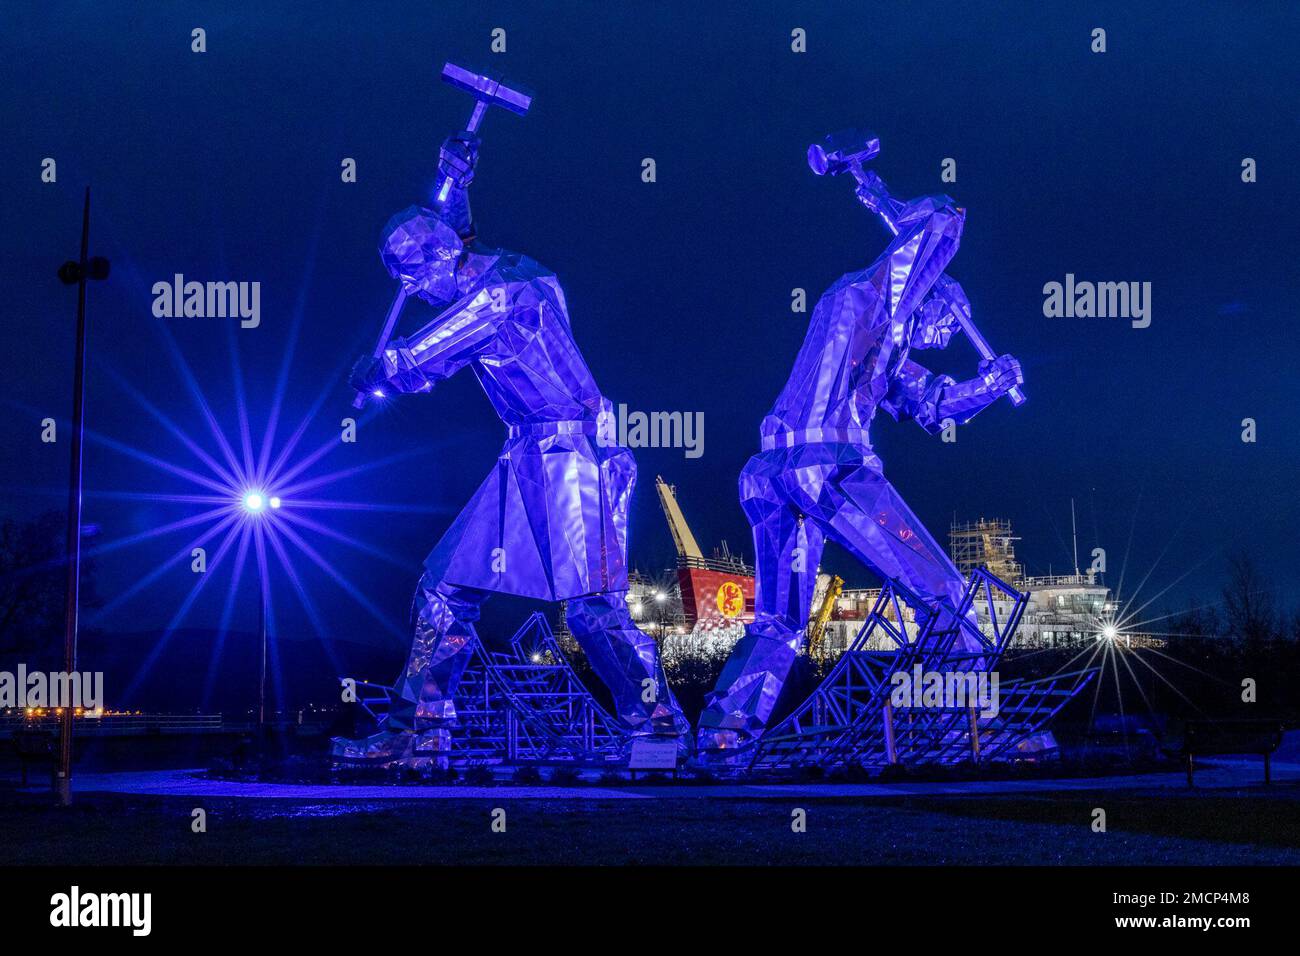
(1064, 610)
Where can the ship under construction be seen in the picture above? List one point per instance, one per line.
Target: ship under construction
(710, 599)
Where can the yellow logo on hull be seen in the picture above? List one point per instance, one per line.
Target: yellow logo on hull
(731, 599)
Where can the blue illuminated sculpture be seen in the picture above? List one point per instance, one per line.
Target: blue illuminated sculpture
(550, 519)
(817, 476)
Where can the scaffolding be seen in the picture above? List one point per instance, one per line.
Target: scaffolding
(525, 705)
(987, 543)
(851, 719)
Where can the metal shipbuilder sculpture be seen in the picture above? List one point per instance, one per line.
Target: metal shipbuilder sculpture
(817, 476)
(550, 519)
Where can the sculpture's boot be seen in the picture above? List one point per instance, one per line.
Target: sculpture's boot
(417, 729)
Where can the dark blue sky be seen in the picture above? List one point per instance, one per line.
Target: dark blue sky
(1115, 167)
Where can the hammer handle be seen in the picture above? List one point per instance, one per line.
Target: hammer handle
(390, 323)
(480, 107)
(475, 118)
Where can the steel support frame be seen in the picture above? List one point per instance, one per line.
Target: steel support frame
(844, 721)
(526, 705)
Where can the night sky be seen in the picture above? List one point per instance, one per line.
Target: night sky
(1123, 166)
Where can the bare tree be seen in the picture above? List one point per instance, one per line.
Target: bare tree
(1250, 609)
(32, 582)
(1196, 622)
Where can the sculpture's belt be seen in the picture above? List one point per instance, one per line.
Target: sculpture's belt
(543, 429)
(811, 436)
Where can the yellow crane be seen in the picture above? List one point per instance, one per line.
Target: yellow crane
(685, 541)
(817, 626)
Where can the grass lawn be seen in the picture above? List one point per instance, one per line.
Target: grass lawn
(1255, 826)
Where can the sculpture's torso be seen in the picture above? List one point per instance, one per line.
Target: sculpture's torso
(848, 359)
(533, 371)
(515, 327)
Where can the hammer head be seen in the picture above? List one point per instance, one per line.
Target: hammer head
(493, 92)
(839, 151)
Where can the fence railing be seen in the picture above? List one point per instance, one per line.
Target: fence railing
(119, 725)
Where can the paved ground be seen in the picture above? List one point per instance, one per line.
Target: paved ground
(1218, 774)
(1145, 827)
(1151, 819)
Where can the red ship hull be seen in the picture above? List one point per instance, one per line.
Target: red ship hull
(716, 598)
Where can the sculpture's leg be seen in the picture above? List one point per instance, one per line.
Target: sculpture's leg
(625, 659)
(618, 479)
(444, 617)
(864, 513)
(416, 730)
(786, 554)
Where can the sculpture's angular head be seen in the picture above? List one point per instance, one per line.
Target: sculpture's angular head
(422, 250)
(940, 213)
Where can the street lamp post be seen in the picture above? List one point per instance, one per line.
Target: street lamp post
(261, 630)
(256, 504)
(80, 271)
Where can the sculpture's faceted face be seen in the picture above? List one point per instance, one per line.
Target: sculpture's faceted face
(933, 332)
(422, 250)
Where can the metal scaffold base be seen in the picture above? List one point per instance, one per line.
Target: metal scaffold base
(521, 706)
(527, 705)
(850, 721)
